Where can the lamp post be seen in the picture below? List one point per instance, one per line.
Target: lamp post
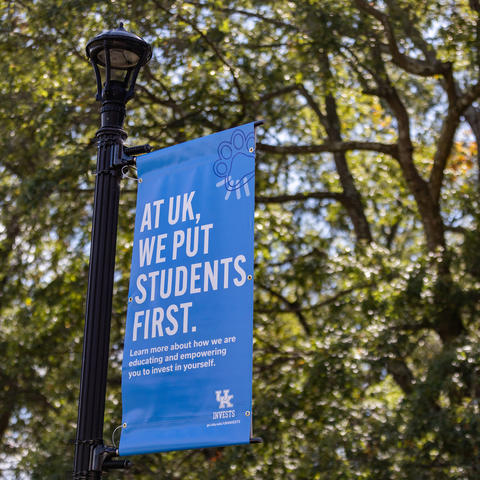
(117, 57)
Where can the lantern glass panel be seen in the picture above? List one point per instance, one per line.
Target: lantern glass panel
(119, 58)
(115, 74)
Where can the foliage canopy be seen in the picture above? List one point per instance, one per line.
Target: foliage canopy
(367, 209)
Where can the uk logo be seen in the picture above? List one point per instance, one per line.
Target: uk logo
(224, 401)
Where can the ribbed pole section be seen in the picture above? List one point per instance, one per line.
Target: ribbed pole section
(99, 304)
(123, 53)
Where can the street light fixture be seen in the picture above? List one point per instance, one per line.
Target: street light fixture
(117, 57)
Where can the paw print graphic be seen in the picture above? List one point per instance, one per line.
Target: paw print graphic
(231, 165)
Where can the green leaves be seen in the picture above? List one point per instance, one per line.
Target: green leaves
(365, 353)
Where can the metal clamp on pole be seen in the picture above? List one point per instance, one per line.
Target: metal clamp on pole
(102, 459)
(99, 455)
(129, 154)
(138, 150)
(116, 465)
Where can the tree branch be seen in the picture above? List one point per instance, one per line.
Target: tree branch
(301, 197)
(248, 13)
(217, 52)
(313, 104)
(464, 101)
(331, 147)
(402, 375)
(458, 106)
(276, 93)
(428, 208)
(442, 152)
(332, 124)
(412, 65)
(341, 294)
(293, 307)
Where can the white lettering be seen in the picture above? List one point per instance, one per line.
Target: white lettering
(153, 276)
(210, 276)
(191, 252)
(178, 241)
(226, 263)
(206, 236)
(157, 319)
(160, 248)
(240, 270)
(187, 206)
(146, 250)
(141, 278)
(136, 323)
(147, 321)
(183, 273)
(174, 328)
(157, 204)
(194, 277)
(185, 307)
(166, 291)
(147, 217)
(173, 218)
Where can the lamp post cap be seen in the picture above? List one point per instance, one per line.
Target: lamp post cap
(121, 39)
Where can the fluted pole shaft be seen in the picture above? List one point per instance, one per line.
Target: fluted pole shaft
(99, 292)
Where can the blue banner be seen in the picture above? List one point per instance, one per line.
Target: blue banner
(187, 362)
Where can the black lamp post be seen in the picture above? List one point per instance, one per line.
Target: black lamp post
(117, 57)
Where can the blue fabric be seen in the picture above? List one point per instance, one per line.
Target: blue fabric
(187, 363)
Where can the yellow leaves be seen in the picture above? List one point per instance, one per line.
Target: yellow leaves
(224, 26)
(462, 157)
(376, 112)
(386, 122)
(380, 117)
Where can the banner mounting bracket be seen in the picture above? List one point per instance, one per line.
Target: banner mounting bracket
(101, 459)
(129, 154)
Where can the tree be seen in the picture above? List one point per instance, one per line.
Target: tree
(367, 264)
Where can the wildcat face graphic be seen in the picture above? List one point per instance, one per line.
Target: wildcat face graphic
(231, 165)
